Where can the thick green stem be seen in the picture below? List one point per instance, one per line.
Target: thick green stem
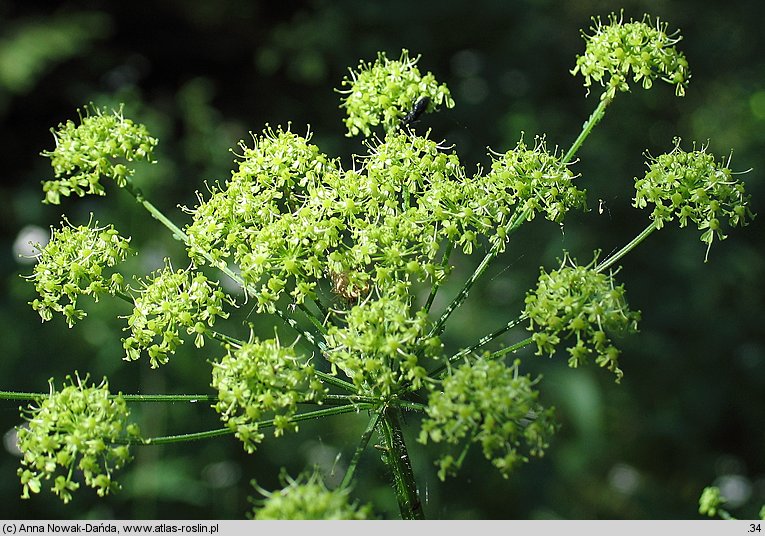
(607, 263)
(397, 458)
(365, 437)
(410, 406)
(593, 120)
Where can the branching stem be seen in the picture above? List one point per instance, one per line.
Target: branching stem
(607, 263)
(593, 120)
(458, 300)
(437, 283)
(338, 410)
(178, 234)
(510, 349)
(483, 341)
(365, 437)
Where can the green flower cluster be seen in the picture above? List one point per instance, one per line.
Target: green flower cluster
(386, 91)
(691, 186)
(262, 378)
(382, 345)
(104, 144)
(79, 428)
(274, 217)
(74, 263)
(583, 304)
(711, 504)
(711, 501)
(170, 301)
(488, 403)
(533, 180)
(641, 51)
(309, 498)
(291, 218)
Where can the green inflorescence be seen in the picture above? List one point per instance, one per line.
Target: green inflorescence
(103, 144)
(77, 429)
(642, 51)
(693, 187)
(384, 92)
(291, 218)
(383, 346)
(533, 180)
(350, 248)
(583, 305)
(488, 403)
(308, 498)
(170, 301)
(262, 379)
(77, 261)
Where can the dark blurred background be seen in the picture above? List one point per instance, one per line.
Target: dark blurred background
(201, 75)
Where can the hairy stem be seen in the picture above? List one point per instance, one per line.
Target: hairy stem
(512, 226)
(396, 457)
(18, 395)
(436, 283)
(593, 120)
(483, 341)
(511, 349)
(178, 234)
(607, 263)
(349, 408)
(337, 382)
(365, 437)
(313, 319)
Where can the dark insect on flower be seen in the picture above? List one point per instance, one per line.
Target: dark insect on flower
(417, 110)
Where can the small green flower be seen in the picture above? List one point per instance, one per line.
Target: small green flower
(710, 501)
(77, 261)
(386, 91)
(382, 345)
(488, 403)
(641, 51)
(170, 301)
(293, 220)
(79, 428)
(307, 497)
(273, 217)
(534, 180)
(583, 305)
(691, 186)
(103, 144)
(263, 378)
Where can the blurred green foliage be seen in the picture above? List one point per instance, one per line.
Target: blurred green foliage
(200, 75)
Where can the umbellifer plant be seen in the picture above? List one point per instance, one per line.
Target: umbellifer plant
(351, 260)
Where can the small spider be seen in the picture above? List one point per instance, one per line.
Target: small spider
(341, 285)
